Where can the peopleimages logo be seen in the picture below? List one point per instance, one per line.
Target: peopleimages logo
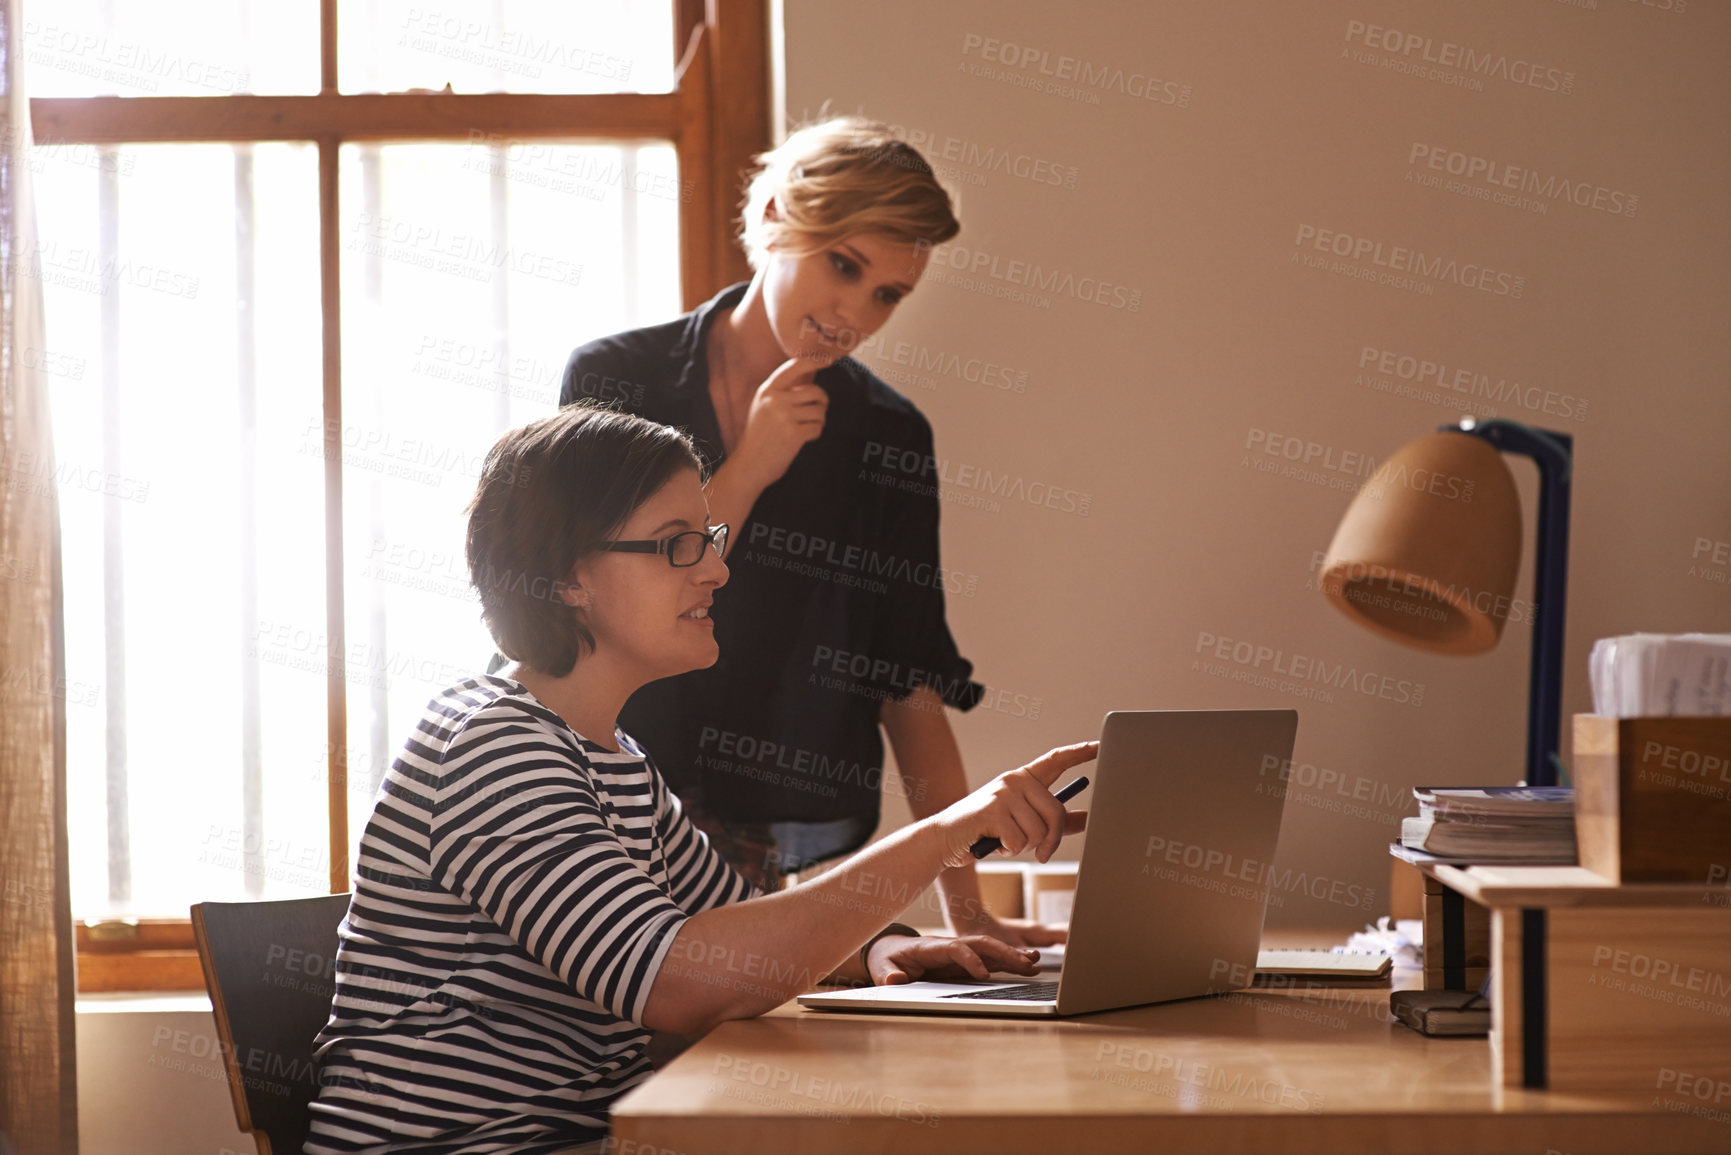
(1168, 1071)
(1402, 259)
(925, 473)
(922, 360)
(1711, 561)
(1265, 665)
(1323, 780)
(459, 254)
(1367, 583)
(997, 275)
(560, 168)
(1436, 373)
(1069, 76)
(1351, 470)
(519, 51)
(82, 269)
(785, 546)
(1497, 176)
(969, 161)
(764, 760)
(1418, 49)
(144, 67)
(1225, 873)
(50, 151)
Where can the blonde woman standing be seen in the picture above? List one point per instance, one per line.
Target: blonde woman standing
(834, 624)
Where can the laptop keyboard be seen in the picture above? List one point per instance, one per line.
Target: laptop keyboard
(1026, 992)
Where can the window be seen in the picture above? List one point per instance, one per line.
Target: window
(289, 306)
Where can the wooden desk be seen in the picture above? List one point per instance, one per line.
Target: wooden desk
(1322, 1071)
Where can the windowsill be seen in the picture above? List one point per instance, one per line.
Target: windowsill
(142, 1002)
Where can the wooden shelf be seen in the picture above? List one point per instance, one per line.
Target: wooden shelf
(1601, 987)
(1554, 886)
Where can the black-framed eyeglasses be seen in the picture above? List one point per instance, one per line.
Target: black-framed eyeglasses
(682, 549)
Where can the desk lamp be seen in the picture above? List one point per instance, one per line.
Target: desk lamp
(1429, 548)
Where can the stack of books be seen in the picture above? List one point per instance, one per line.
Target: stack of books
(1534, 825)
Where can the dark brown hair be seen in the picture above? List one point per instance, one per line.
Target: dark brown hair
(550, 492)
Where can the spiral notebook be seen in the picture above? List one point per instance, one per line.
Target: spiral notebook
(1362, 965)
(1317, 963)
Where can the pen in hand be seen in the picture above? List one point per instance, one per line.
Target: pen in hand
(1069, 790)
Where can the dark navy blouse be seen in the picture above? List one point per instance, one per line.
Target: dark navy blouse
(835, 603)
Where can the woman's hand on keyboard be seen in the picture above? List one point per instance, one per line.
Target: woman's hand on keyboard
(900, 959)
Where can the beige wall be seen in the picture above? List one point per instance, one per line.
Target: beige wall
(150, 1079)
(1202, 143)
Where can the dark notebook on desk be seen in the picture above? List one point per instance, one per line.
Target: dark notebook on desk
(1447, 1013)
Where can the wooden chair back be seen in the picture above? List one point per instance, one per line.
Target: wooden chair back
(270, 968)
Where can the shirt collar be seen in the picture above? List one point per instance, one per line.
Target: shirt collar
(688, 352)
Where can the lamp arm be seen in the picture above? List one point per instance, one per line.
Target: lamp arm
(1553, 453)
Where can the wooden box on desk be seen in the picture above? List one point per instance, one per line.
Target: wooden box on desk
(1653, 798)
(1001, 885)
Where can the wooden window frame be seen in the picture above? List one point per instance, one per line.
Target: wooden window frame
(717, 118)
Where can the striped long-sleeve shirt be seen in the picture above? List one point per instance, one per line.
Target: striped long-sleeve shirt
(517, 889)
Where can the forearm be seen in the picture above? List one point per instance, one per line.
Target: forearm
(740, 960)
(927, 756)
(930, 764)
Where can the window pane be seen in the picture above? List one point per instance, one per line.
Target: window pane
(469, 275)
(547, 46)
(181, 289)
(184, 48)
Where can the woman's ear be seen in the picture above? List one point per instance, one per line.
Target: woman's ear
(571, 591)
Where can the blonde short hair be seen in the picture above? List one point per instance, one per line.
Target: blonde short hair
(841, 177)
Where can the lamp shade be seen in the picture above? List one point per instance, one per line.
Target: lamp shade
(1428, 551)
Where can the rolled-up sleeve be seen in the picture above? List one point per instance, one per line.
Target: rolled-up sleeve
(599, 373)
(911, 630)
(519, 831)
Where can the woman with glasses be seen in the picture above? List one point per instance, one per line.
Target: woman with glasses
(834, 622)
(531, 900)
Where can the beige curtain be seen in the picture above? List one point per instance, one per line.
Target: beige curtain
(38, 1070)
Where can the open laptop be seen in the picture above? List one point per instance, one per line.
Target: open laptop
(1173, 883)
